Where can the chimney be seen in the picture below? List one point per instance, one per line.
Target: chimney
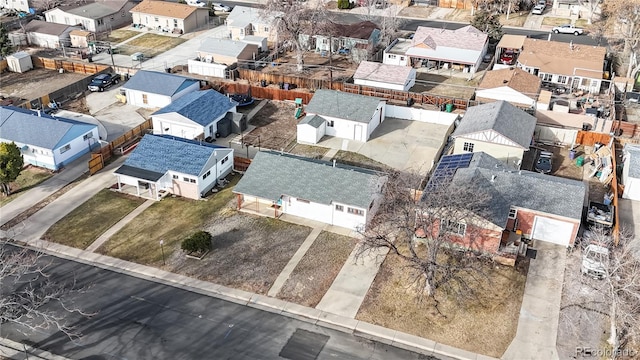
(334, 162)
(493, 178)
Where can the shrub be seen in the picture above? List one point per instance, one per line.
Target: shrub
(344, 4)
(199, 242)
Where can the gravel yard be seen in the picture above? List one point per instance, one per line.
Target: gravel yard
(275, 126)
(35, 83)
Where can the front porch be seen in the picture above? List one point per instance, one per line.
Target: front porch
(149, 191)
(257, 206)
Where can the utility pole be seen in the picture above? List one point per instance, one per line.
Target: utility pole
(330, 62)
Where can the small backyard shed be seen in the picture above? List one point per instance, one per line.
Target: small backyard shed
(19, 62)
(386, 76)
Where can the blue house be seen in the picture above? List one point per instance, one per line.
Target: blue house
(166, 164)
(153, 89)
(194, 115)
(44, 140)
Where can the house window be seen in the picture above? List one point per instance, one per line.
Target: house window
(513, 213)
(186, 179)
(354, 211)
(241, 32)
(175, 22)
(453, 227)
(391, 56)
(65, 148)
(401, 58)
(206, 174)
(594, 83)
(266, 29)
(562, 79)
(467, 147)
(225, 160)
(175, 177)
(156, 19)
(330, 123)
(100, 21)
(303, 200)
(145, 100)
(192, 181)
(546, 77)
(339, 208)
(87, 136)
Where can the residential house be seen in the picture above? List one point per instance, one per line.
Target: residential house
(224, 51)
(169, 17)
(558, 64)
(394, 77)
(440, 49)
(554, 127)
(44, 140)
(17, 5)
(246, 21)
(94, 15)
(81, 38)
(631, 172)
(279, 183)
(507, 51)
(340, 114)
(452, 4)
(357, 40)
(498, 129)
(163, 164)
(521, 206)
(195, 115)
(153, 89)
(48, 35)
(513, 85)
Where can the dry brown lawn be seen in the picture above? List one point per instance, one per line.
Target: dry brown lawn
(275, 126)
(120, 35)
(315, 273)
(516, 18)
(359, 160)
(486, 326)
(150, 44)
(445, 86)
(310, 151)
(30, 177)
(555, 21)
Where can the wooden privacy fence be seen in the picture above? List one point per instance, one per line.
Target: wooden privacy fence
(626, 129)
(398, 95)
(301, 82)
(70, 66)
(120, 146)
(589, 138)
(270, 93)
(241, 164)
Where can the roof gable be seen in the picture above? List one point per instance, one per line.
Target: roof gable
(158, 82)
(201, 107)
(342, 105)
(501, 117)
(515, 78)
(555, 57)
(165, 8)
(272, 175)
(242, 16)
(224, 47)
(44, 27)
(468, 38)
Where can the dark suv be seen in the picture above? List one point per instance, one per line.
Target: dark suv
(103, 81)
(544, 165)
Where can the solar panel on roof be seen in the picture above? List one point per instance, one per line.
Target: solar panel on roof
(447, 168)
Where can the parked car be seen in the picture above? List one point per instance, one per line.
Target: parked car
(487, 58)
(508, 57)
(537, 10)
(221, 7)
(542, 3)
(595, 261)
(103, 81)
(197, 3)
(568, 29)
(544, 163)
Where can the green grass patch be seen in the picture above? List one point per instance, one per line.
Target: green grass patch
(555, 21)
(88, 221)
(118, 36)
(150, 45)
(355, 159)
(172, 219)
(28, 178)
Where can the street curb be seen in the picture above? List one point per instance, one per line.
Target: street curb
(18, 351)
(261, 302)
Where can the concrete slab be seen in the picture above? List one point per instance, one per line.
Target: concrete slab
(299, 311)
(337, 322)
(375, 332)
(88, 119)
(267, 303)
(408, 341)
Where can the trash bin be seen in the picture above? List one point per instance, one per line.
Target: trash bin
(449, 107)
(580, 161)
(572, 154)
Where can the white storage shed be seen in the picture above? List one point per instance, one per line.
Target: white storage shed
(19, 62)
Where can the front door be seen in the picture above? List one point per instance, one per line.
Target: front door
(358, 133)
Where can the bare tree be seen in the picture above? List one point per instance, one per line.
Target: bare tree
(389, 29)
(437, 236)
(295, 23)
(592, 7)
(29, 298)
(622, 19)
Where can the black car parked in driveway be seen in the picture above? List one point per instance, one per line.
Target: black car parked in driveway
(103, 81)
(544, 164)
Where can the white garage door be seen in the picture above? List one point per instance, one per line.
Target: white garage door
(553, 231)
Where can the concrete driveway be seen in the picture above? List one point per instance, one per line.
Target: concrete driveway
(400, 144)
(116, 117)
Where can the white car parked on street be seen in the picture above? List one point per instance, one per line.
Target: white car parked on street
(568, 29)
(197, 3)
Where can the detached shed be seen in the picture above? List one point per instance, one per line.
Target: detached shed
(394, 77)
(81, 38)
(19, 62)
(311, 129)
(260, 41)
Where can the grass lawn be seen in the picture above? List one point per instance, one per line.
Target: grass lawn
(28, 178)
(118, 36)
(315, 273)
(515, 18)
(444, 85)
(314, 152)
(555, 21)
(355, 159)
(150, 44)
(486, 326)
(88, 221)
(171, 219)
(582, 23)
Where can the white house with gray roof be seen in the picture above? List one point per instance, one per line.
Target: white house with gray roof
(153, 89)
(631, 172)
(247, 21)
(165, 164)
(195, 115)
(215, 55)
(340, 114)
(277, 183)
(48, 35)
(93, 15)
(394, 77)
(44, 140)
(499, 129)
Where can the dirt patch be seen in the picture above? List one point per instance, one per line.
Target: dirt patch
(563, 165)
(445, 85)
(120, 35)
(310, 151)
(275, 126)
(35, 83)
(150, 45)
(555, 21)
(77, 105)
(316, 66)
(315, 273)
(355, 159)
(417, 11)
(391, 303)
(249, 252)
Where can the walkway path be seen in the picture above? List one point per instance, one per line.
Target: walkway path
(330, 154)
(33, 196)
(538, 323)
(119, 225)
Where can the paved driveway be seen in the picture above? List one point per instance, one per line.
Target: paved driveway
(116, 117)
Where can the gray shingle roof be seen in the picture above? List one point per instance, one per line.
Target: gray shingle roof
(313, 120)
(45, 131)
(503, 118)
(43, 27)
(93, 11)
(159, 154)
(634, 159)
(272, 175)
(224, 47)
(158, 82)
(343, 105)
(202, 107)
(242, 16)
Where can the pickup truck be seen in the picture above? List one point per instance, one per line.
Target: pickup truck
(567, 29)
(103, 81)
(600, 214)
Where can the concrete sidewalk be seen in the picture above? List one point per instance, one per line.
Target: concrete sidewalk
(538, 323)
(33, 196)
(119, 225)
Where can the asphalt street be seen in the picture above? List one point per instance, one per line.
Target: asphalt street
(140, 319)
